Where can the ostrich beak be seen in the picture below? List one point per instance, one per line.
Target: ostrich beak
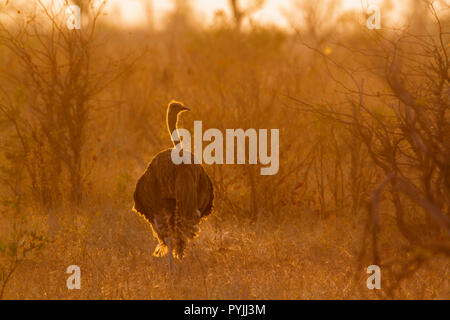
(184, 108)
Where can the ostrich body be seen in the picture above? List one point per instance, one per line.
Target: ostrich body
(173, 198)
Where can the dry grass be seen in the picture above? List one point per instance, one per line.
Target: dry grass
(230, 260)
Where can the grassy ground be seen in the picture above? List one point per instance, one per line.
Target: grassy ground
(300, 259)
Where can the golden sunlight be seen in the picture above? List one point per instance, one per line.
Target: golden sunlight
(224, 150)
(135, 12)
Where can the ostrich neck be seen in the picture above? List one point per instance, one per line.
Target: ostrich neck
(172, 125)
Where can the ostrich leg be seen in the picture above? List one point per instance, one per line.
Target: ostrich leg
(171, 262)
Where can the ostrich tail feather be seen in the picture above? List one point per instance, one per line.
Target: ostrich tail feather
(160, 250)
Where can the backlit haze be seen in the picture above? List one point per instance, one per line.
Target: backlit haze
(137, 13)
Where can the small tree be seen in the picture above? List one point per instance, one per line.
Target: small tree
(240, 12)
(58, 82)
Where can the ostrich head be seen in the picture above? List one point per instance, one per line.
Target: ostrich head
(173, 110)
(176, 107)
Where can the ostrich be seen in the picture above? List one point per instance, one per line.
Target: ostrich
(173, 198)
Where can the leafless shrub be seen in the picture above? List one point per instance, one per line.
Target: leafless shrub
(240, 12)
(403, 126)
(58, 81)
